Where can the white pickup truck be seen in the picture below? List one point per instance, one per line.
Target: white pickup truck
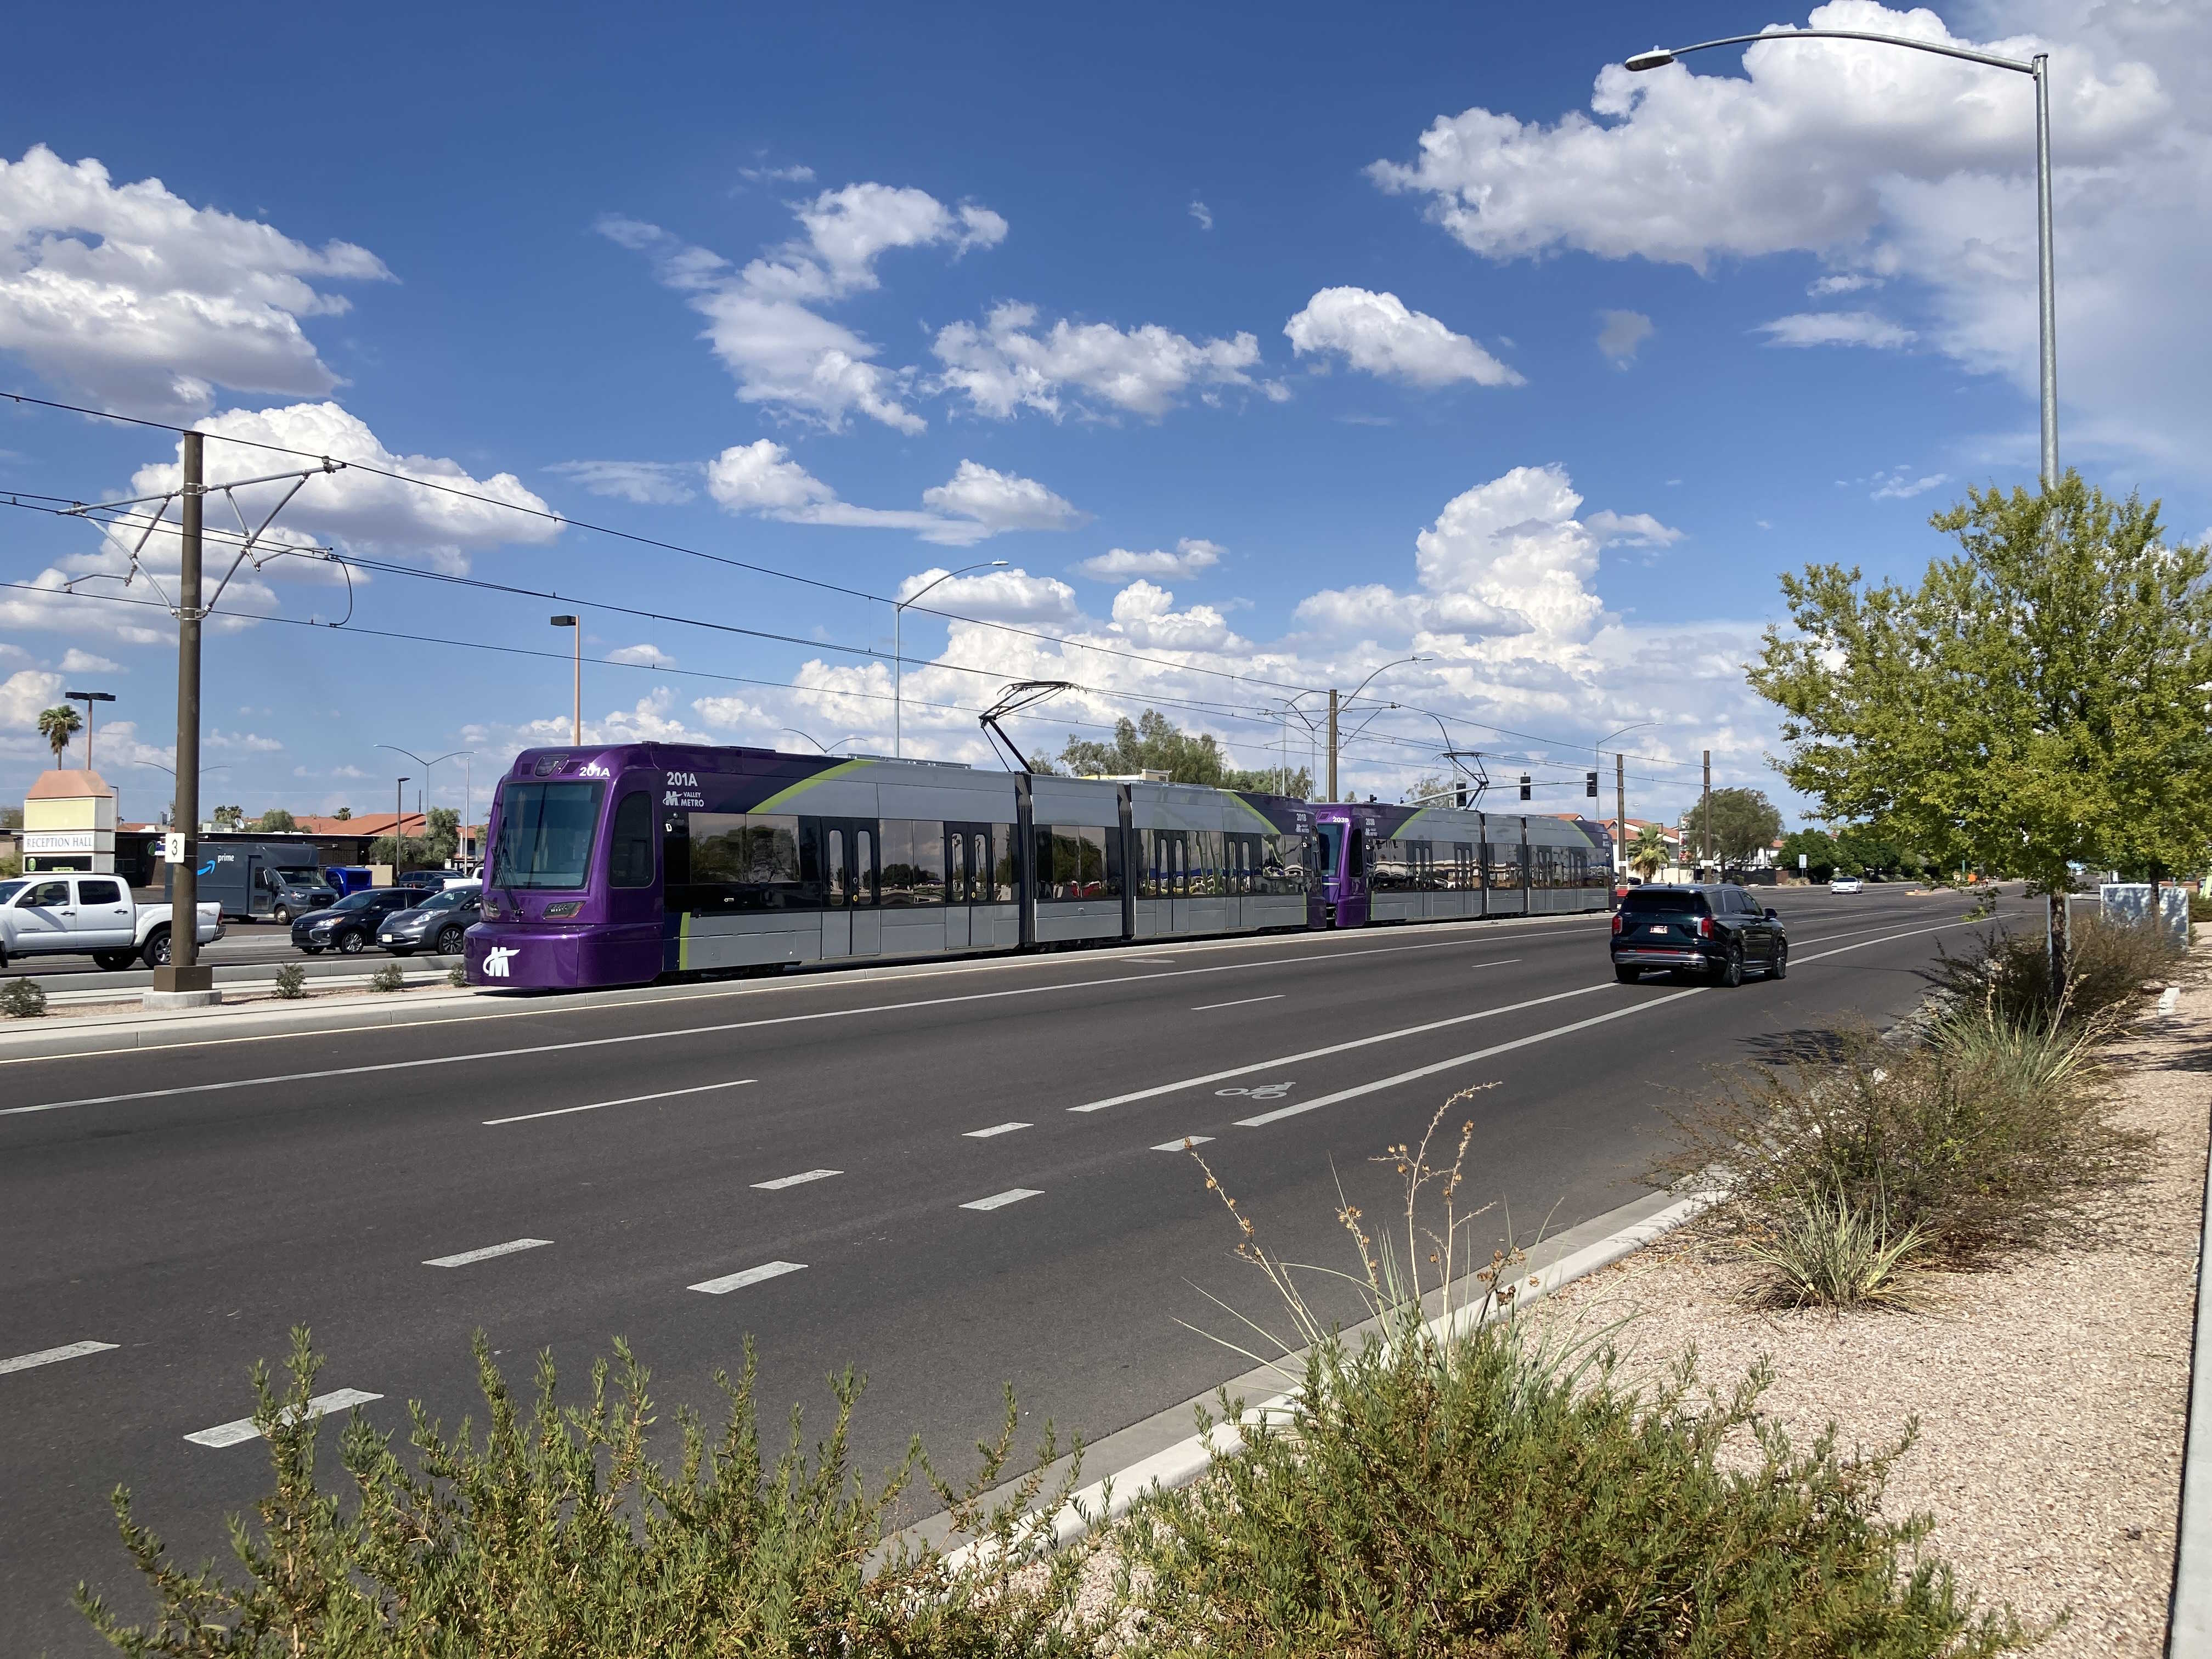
(43, 915)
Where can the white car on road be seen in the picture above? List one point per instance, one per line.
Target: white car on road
(1845, 884)
(53, 915)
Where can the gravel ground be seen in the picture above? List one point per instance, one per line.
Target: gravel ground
(2052, 1395)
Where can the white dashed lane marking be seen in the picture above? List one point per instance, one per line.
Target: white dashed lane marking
(1184, 1145)
(999, 1201)
(238, 1433)
(730, 1282)
(996, 1129)
(1241, 1002)
(799, 1180)
(24, 1362)
(486, 1253)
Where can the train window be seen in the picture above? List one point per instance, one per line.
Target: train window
(545, 834)
(1002, 863)
(629, 849)
(841, 886)
(913, 861)
(750, 861)
(864, 889)
(956, 882)
(1093, 881)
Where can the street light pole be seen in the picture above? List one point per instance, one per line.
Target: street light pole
(2038, 68)
(87, 698)
(898, 655)
(182, 980)
(576, 732)
(1620, 788)
(461, 755)
(1332, 706)
(398, 842)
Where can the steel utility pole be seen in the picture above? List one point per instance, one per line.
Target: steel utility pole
(1706, 830)
(398, 843)
(1621, 809)
(182, 977)
(1332, 744)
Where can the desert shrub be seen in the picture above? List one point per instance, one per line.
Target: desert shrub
(2008, 975)
(457, 976)
(291, 980)
(24, 999)
(1985, 1137)
(1457, 1497)
(390, 977)
(2200, 905)
(1825, 1252)
(558, 1533)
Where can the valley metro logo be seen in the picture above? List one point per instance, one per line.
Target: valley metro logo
(497, 957)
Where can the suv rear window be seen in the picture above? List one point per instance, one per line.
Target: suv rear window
(1658, 901)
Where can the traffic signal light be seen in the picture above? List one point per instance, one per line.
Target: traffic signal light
(1524, 785)
(1589, 785)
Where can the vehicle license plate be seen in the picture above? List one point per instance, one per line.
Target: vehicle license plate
(1659, 929)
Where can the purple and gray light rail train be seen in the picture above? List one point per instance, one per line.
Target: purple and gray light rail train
(618, 866)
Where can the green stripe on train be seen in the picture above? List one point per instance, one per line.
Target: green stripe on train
(804, 784)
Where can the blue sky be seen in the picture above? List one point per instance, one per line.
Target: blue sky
(1179, 315)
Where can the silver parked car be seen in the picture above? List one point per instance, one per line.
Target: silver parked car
(436, 924)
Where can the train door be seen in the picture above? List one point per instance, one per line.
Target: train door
(1168, 878)
(850, 924)
(967, 878)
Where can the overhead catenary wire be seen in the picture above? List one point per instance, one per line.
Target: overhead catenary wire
(545, 515)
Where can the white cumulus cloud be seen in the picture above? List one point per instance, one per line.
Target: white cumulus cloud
(74, 661)
(976, 503)
(762, 320)
(1622, 333)
(26, 695)
(1006, 363)
(651, 656)
(1850, 328)
(129, 295)
(1376, 334)
(1629, 529)
(1146, 614)
(1191, 556)
(649, 484)
(995, 595)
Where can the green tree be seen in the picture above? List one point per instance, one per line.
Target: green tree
(58, 725)
(2036, 702)
(1150, 744)
(228, 817)
(443, 839)
(1818, 846)
(11, 817)
(342, 814)
(1742, 822)
(275, 820)
(1649, 853)
(411, 851)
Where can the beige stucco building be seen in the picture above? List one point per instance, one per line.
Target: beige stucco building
(69, 822)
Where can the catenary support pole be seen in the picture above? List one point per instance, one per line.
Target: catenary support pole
(1332, 746)
(1706, 827)
(183, 971)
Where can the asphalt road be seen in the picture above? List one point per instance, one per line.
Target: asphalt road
(954, 1174)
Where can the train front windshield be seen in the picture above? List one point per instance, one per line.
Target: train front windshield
(545, 835)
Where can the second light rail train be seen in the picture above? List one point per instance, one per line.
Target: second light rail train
(623, 864)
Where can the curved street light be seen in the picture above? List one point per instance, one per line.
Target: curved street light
(426, 765)
(898, 658)
(2038, 68)
(1621, 805)
(816, 741)
(1333, 705)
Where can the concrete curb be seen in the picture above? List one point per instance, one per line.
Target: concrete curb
(1624, 1230)
(121, 1033)
(2189, 1620)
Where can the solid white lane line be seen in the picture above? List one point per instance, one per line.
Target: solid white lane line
(999, 1201)
(729, 1282)
(1461, 1059)
(1184, 1145)
(486, 1253)
(627, 1100)
(239, 1433)
(1794, 959)
(995, 1129)
(1334, 1048)
(781, 1182)
(730, 1025)
(1540, 1036)
(1205, 1007)
(24, 1362)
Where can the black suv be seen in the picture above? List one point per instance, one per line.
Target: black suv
(1711, 928)
(349, 925)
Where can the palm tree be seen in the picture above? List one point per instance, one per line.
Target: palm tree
(1648, 854)
(58, 725)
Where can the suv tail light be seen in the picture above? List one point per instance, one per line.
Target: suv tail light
(1705, 926)
(1616, 921)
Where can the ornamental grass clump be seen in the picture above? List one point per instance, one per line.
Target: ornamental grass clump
(1826, 1252)
(1469, 1484)
(390, 977)
(558, 1533)
(291, 982)
(2007, 977)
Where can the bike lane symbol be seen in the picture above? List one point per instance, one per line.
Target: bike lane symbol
(1261, 1090)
